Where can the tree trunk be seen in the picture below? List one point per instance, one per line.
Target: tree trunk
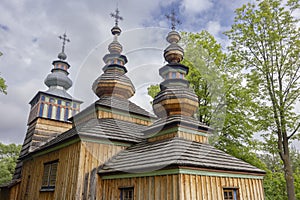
(288, 172)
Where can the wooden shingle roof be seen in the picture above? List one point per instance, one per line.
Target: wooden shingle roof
(147, 156)
(101, 129)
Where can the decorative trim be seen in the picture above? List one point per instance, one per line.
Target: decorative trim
(182, 171)
(56, 147)
(105, 142)
(124, 113)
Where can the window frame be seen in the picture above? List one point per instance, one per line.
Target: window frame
(126, 189)
(50, 174)
(234, 190)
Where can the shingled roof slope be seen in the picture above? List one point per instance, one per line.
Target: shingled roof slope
(147, 156)
(106, 128)
(124, 105)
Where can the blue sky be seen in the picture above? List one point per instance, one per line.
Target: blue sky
(29, 42)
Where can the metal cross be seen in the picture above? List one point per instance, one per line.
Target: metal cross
(173, 19)
(64, 39)
(116, 16)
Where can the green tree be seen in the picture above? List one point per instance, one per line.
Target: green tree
(266, 41)
(8, 158)
(3, 86)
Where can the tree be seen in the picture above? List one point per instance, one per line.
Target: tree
(8, 158)
(3, 86)
(224, 103)
(266, 41)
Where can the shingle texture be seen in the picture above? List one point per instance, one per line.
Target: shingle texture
(124, 105)
(146, 157)
(110, 129)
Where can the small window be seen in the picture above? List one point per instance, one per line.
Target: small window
(49, 176)
(41, 110)
(230, 194)
(59, 102)
(126, 193)
(173, 74)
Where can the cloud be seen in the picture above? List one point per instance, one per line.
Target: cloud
(192, 7)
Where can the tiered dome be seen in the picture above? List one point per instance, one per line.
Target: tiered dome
(114, 82)
(175, 97)
(58, 79)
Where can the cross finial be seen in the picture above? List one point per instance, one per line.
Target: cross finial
(64, 39)
(173, 19)
(116, 16)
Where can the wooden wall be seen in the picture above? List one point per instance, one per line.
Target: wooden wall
(211, 187)
(66, 174)
(76, 174)
(150, 188)
(183, 187)
(92, 156)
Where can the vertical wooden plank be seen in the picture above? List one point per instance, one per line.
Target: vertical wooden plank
(193, 186)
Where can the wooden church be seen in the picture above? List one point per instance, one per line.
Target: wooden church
(114, 149)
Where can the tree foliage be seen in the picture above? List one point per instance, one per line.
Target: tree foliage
(266, 41)
(3, 86)
(8, 158)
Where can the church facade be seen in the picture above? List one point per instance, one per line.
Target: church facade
(114, 149)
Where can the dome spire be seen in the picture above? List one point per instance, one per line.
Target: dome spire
(58, 79)
(114, 82)
(62, 55)
(173, 19)
(175, 97)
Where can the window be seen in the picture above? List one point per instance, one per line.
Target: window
(173, 74)
(41, 110)
(49, 176)
(230, 194)
(49, 111)
(58, 113)
(126, 193)
(66, 114)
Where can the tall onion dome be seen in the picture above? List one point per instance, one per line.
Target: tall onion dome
(175, 97)
(114, 82)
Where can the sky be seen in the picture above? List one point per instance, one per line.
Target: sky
(29, 42)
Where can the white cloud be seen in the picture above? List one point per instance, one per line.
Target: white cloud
(192, 7)
(213, 27)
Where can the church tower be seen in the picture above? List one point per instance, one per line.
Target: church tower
(50, 109)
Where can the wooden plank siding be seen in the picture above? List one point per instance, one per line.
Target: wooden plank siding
(200, 187)
(76, 174)
(181, 186)
(91, 157)
(145, 188)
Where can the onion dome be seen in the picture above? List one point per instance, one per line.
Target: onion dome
(114, 82)
(175, 97)
(58, 78)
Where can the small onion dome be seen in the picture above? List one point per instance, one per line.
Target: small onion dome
(116, 30)
(115, 47)
(58, 78)
(62, 56)
(173, 37)
(173, 53)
